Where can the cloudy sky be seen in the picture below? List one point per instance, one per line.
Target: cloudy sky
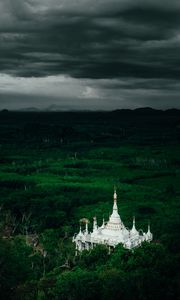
(89, 54)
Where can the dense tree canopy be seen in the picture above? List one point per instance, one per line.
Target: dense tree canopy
(59, 168)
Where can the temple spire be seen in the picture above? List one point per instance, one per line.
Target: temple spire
(149, 234)
(115, 194)
(94, 224)
(134, 222)
(103, 223)
(134, 231)
(115, 200)
(86, 226)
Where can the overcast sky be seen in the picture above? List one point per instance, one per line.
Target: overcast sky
(89, 54)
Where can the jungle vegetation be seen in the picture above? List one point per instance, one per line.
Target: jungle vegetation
(55, 169)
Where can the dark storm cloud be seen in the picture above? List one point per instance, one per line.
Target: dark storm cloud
(91, 39)
(119, 49)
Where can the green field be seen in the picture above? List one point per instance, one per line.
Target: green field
(57, 168)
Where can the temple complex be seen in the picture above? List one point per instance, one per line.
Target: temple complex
(111, 233)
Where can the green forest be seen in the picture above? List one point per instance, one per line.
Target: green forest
(59, 167)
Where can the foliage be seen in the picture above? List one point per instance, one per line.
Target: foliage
(57, 168)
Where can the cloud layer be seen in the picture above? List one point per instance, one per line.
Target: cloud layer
(103, 47)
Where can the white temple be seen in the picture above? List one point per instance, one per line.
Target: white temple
(111, 233)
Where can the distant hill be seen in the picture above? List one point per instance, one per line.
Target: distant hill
(172, 111)
(137, 111)
(147, 111)
(33, 109)
(4, 110)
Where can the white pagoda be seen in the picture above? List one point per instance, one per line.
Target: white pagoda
(111, 233)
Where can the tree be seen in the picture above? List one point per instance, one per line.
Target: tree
(98, 256)
(15, 266)
(78, 284)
